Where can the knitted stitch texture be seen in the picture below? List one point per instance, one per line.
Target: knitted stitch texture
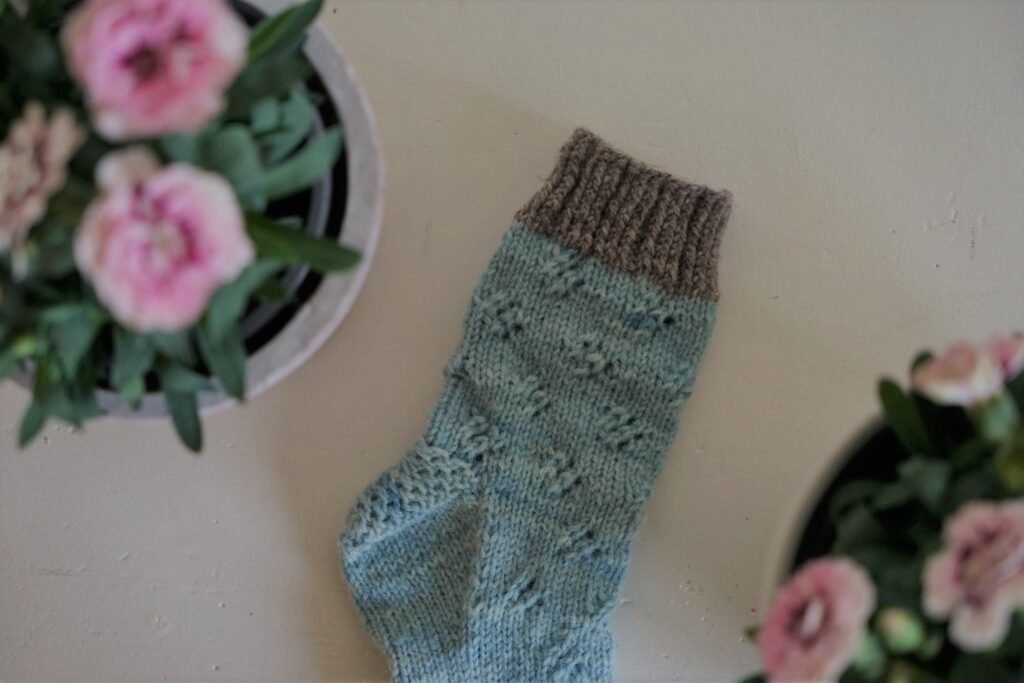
(495, 549)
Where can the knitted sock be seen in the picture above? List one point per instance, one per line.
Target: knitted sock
(495, 550)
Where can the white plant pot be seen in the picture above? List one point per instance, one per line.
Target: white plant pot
(321, 314)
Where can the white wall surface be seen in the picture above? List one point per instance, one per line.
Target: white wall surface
(876, 154)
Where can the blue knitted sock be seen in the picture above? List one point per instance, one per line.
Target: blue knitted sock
(494, 550)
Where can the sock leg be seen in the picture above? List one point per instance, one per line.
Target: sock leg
(610, 270)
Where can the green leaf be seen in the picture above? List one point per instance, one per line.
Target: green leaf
(998, 418)
(272, 291)
(970, 453)
(62, 313)
(903, 671)
(68, 204)
(177, 378)
(31, 423)
(903, 417)
(270, 76)
(132, 390)
(232, 153)
(133, 357)
(287, 246)
(27, 345)
(858, 528)
(265, 116)
(296, 120)
(72, 329)
(928, 479)
(174, 345)
(920, 359)
(74, 403)
(8, 363)
(1013, 643)
(284, 31)
(901, 630)
(181, 147)
(228, 303)
(1010, 466)
(47, 12)
(304, 168)
(39, 64)
(226, 358)
(850, 494)
(184, 411)
(869, 657)
(980, 483)
(892, 495)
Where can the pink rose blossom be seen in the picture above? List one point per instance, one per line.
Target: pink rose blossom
(816, 621)
(1007, 352)
(158, 242)
(151, 67)
(962, 376)
(977, 580)
(33, 163)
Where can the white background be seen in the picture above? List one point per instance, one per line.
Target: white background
(876, 154)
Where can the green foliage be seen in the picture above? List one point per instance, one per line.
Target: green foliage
(901, 630)
(32, 422)
(889, 518)
(232, 153)
(271, 76)
(184, 409)
(926, 479)
(303, 169)
(293, 123)
(176, 346)
(869, 659)
(226, 358)
(1010, 465)
(903, 416)
(180, 379)
(182, 147)
(71, 329)
(998, 419)
(133, 358)
(283, 32)
(229, 302)
(287, 246)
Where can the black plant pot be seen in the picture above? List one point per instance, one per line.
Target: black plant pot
(875, 454)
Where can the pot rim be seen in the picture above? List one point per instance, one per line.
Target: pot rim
(787, 535)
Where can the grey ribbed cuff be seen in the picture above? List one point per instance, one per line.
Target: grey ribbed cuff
(631, 216)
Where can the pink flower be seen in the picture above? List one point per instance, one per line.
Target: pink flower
(962, 376)
(33, 163)
(1007, 352)
(977, 580)
(816, 621)
(151, 67)
(158, 242)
